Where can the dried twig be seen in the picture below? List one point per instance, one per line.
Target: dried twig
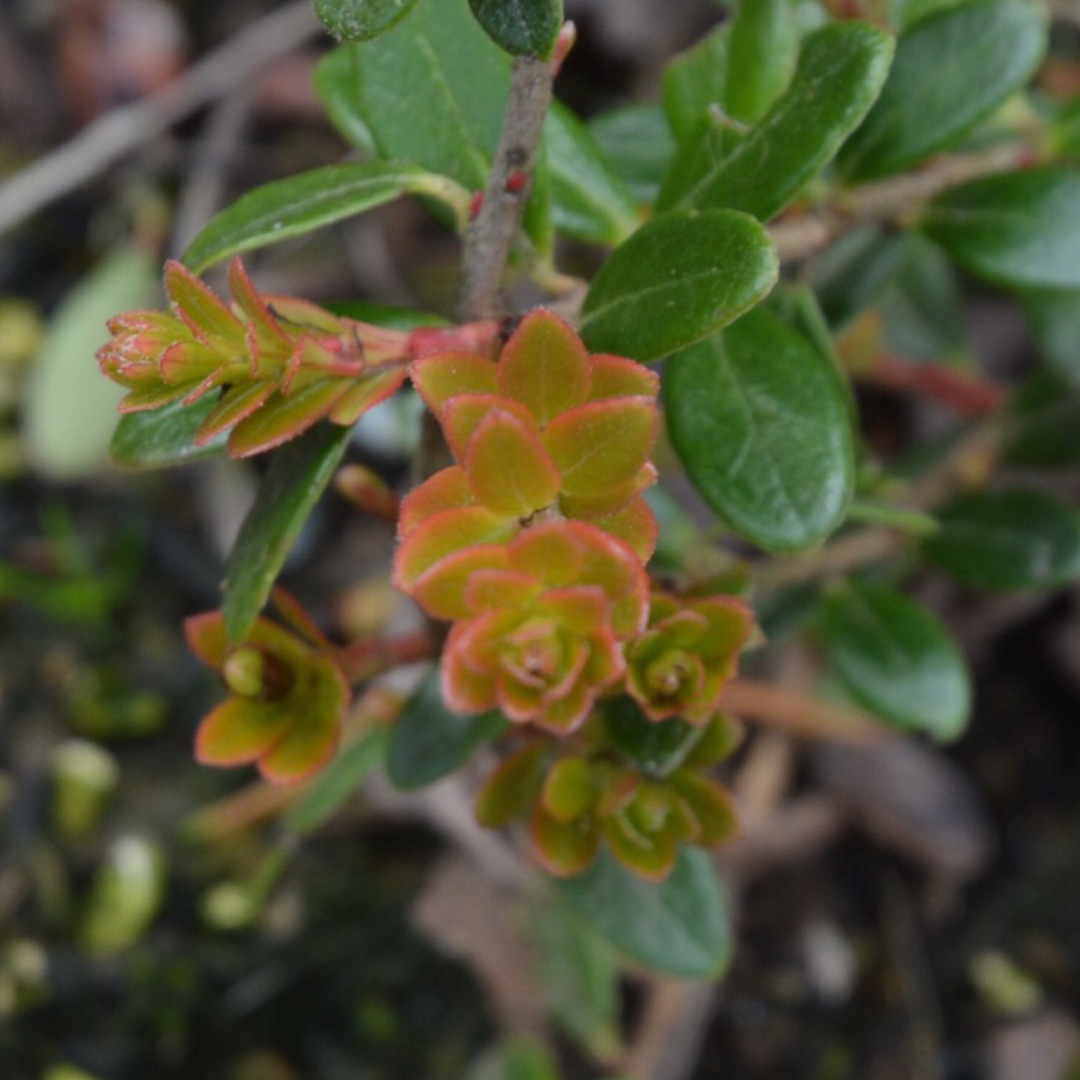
(125, 130)
(889, 200)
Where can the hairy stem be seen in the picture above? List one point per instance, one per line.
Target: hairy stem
(490, 237)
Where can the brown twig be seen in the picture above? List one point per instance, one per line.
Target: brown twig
(124, 130)
(798, 713)
(888, 201)
(490, 237)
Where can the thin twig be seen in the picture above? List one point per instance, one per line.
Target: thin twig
(490, 238)
(798, 713)
(125, 130)
(888, 200)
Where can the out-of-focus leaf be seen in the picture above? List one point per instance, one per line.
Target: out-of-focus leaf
(432, 91)
(841, 69)
(922, 306)
(852, 273)
(162, 437)
(335, 83)
(521, 27)
(428, 741)
(69, 406)
(763, 48)
(297, 476)
(938, 89)
(679, 925)
(695, 80)
(897, 660)
(1005, 540)
(1044, 422)
(759, 418)
(1055, 320)
(360, 20)
(580, 976)
(313, 200)
(589, 201)
(342, 778)
(637, 141)
(1018, 228)
(677, 279)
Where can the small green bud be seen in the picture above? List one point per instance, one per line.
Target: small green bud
(84, 777)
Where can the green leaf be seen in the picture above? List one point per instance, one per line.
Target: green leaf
(69, 407)
(938, 89)
(1043, 422)
(340, 779)
(677, 279)
(428, 741)
(162, 437)
(759, 418)
(297, 476)
(841, 69)
(433, 90)
(590, 202)
(360, 20)
(1018, 228)
(1054, 315)
(694, 81)
(679, 925)
(850, 275)
(637, 141)
(897, 660)
(761, 57)
(657, 747)
(335, 84)
(521, 27)
(313, 200)
(923, 306)
(1003, 540)
(579, 974)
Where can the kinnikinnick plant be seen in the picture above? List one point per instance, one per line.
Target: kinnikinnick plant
(789, 220)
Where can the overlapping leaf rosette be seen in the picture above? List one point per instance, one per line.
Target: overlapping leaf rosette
(534, 546)
(279, 363)
(288, 694)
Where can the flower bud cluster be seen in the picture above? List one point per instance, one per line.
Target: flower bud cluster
(279, 363)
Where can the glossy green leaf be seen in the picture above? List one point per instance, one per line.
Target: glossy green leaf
(938, 88)
(1054, 315)
(1018, 228)
(897, 660)
(360, 20)
(428, 741)
(760, 420)
(695, 81)
(297, 476)
(335, 83)
(763, 48)
(162, 437)
(432, 91)
(676, 280)
(1003, 540)
(840, 72)
(657, 747)
(341, 779)
(590, 202)
(637, 141)
(521, 27)
(313, 200)
(1044, 419)
(679, 925)
(69, 407)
